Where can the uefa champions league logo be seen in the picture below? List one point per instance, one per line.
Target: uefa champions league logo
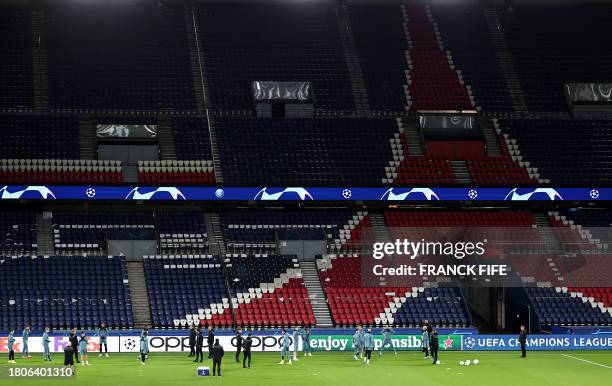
(346, 193)
(472, 194)
(39, 191)
(302, 193)
(419, 193)
(129, 344)
(90, 192)
(551, 193)
(469, 342)
(170, 190)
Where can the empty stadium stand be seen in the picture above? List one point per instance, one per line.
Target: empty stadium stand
(17, 233)
(581, 152)
(243, 43)
(181, 232)
(176, 172)
(382, 54)
(567, 50)
(38, 136)
(88, 71)
(308, 151)
(260, 231)
(433, 82)
(16, 83)
(186, 290)
(463, 31)
(559, 306)
(79, 232)
(268, 291)
(34, 289)
(354, 302)
(60, 171)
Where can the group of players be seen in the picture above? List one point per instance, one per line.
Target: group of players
(75, 351)
(285, 343)
(363, 343)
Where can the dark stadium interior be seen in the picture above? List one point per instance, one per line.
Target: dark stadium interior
(186, 68)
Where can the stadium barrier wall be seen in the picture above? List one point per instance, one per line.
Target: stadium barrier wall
(270, 342)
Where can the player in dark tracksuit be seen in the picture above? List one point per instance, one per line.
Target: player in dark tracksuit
(199, 343)
(68, 356)
(434, 345)
(74, 342)
(192, 341)
(239, 341)
(523, 341)
(248, 342)
(216, 352)
(210, 340)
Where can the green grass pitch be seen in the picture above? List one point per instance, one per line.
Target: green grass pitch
(338, 369)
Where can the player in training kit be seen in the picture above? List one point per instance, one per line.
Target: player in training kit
(11, 346)
(103, 335)
(69, 356)
(285, 345)
(357, 343)
(248, 342)
(83, 349)
(434, 345)
(387, 333)
(45, 342)
(144, 346)
(297, 333)
(239, 342)
(425, 341)
(306, 341)
(368, 345)
(25, 336)
(362, 334)
(199, 343)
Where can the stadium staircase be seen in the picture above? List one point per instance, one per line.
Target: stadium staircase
(140, 297)
(316, 294)
(546, 231)
(511, 147)
(44, 235)
(216, 243)
(39, 62)
(214, 146)
(87, 138)
(491, 138)
(200, 81)
(505, 61)
(167, 148)
(195, 54)
(461, 171)
(360, 94)
(414, 144)
(381, 232)
(585, 233)
(130, 174)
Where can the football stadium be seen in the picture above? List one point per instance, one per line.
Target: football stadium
(306, 192)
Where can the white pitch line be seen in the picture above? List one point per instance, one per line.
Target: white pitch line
(587, 361)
